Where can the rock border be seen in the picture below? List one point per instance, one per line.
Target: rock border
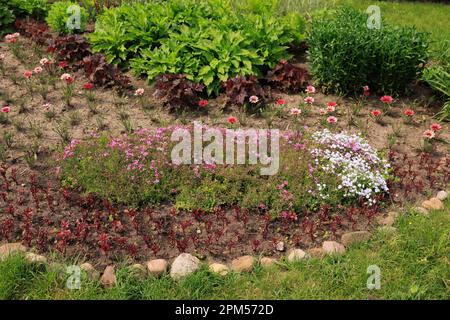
(186, 264)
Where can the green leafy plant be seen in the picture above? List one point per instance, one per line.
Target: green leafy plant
(36, 8)
(346, 55)
(6, 17)
(60, 15)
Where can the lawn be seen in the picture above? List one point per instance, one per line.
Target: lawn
(429, 17)
(414, 264)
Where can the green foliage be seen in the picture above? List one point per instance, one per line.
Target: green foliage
(206, 40)
(36, 8)
(346, 55)
(59, 15)
(6, 16)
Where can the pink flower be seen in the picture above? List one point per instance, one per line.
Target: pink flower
(310, 89)
(88, 86)
(429, 134)
(331, 119)
(203, 103)
(436, 127)
(376, 113)
(6, 109)
(295, 111)
(139, 92)
(408, 112)
(386, 99)
(366, 88)
(309, 100)
(331, 106)
(27, 74)
(37, 70)
(44, 62)
(232, 120)
(2, 56)
(322, 111)
(254, 99)
(68, 78)
(281, 102)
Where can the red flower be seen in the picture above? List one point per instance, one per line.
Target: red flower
(62, 64)
(232, 120)
(408, 112)
(376, 113)
(88, 86)
(386, 99)
(27, 74)
(281, 102)
(331, 119)
(70, 80)
(6, 109)
(51, 49)
(436, 127)
(331, 104)
(203, 103)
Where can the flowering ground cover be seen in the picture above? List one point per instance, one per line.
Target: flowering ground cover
(87, 170)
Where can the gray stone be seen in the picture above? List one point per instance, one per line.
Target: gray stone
(35, 258)
(433, 204)
(157, 267)
(267, 262)
(280, 246)
(91, 272)
(184, 265)
(442, 195)
(11, 248)
(333, 247)
(219, 268)
(296, 255)
(108, 279)
(350, 238)
(242, 264)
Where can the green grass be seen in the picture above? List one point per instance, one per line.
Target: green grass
(429, 17)
(414, 264)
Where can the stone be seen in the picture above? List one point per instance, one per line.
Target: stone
(91, 272)
(280, 246)
(333, 247)
(242, 264)
(157, 267)
(138, 270)
(267, 262)
(219, 268)
(433, 204)
(184, 265)
(316, 253)
(389, 220)
(442, 195)
(35, 258)
(11, 248)
(388, 229)
(422, 210)
(108, 279)
(350, 238)
(296, 255)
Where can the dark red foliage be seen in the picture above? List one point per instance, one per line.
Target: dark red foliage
(177, 91)
(239, 89)
(36, 30)
(288, 77)
(104, 74)
(71, 49)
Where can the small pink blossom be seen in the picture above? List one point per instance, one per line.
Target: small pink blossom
(295, 111)
(38, 70)
(386, 99)
(27, 74)
(309, 100)
(310, 89)
(139, 92)
(429, 134)
(331, 119)
(322, 111)
(6, 109)
(254, 99)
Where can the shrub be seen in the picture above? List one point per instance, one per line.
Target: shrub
(71, 48)
(346, 55)
(38, 9)
(104, 74)
(288, 77)
(177, 91)
(36, 30)
(205, 40)
(322, 168)
(6, 17)
(240, 89)
(60, 14)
